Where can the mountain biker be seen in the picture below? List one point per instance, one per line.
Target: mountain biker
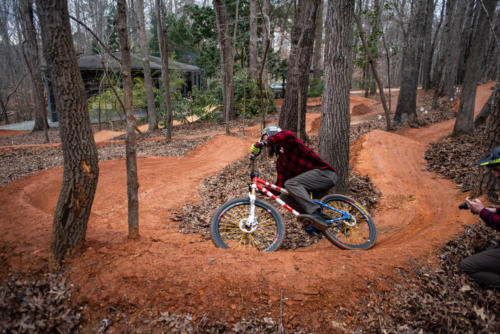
(299, 170)
(484, 267)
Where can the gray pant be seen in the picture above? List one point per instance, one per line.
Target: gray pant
(300, 186)
(484, 267)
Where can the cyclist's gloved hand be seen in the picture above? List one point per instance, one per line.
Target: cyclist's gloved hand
(256, 148)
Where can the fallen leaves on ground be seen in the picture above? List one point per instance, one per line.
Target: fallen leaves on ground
(39, 305)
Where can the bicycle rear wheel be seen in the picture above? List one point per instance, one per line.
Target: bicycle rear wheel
(361, 235)
(229, 228)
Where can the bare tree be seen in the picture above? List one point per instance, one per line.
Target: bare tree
(375, 73)
(293, 111)
(335, 116)
(132, 183)
(148, 81)
(466, 39)
(407, 100)
(80, 154)
(318, 42)
(226, 61)
(163, 41)
(465, 116)
(451, 51)
(428, 50)
(30, 47)
(252, 46)
(267, 42)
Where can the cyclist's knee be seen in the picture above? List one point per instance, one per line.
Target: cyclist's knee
(291, 183)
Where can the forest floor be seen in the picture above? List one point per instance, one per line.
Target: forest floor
(172, 279)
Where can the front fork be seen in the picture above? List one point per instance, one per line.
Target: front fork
(251, 214)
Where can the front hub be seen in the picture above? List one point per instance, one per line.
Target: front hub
(247, 226)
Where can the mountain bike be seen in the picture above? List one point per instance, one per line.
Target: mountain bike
(252, 223)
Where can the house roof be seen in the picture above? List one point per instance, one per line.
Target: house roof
(94, 62)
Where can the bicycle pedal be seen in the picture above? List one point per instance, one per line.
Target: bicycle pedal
(305, 221)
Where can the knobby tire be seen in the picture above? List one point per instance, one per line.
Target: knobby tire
(226, 233)
(361, 236)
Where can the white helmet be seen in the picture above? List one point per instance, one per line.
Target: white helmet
(271, 130)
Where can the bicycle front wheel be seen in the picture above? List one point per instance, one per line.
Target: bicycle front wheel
(356, 233)
(230, 227)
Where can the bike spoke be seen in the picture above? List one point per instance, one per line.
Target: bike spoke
(352, 235)
(231, 233)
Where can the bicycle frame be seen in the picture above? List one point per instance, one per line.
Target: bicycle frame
(262, 185)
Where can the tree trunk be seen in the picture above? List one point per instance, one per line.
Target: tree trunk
(302, 40)
(487, 182)
(375, 73)
(407, 101)
(318, 42)
(4, 111)
(30, 48)
(449, 78)
(132, 183)
(227, 61)
(470, 21)
(428, 50)
(465, 116)
(443, 47)
(80, 155)
(148, 81)
(335, 116)
(163, 41)
(252, 47)
(490, 67)
(266, 13)
(266, 23)
(429, 78)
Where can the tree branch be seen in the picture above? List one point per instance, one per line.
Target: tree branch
(108, 51)
(374, 71)
(116, 93)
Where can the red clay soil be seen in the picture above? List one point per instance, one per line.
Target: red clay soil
(359, 105)
(168, 271)
(5, 133)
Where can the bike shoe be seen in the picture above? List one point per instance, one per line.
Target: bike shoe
(313, 232)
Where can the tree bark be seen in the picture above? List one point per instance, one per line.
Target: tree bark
(465, 116)
(487, 182)
(266, 23)
(30, 52)
(335, 116)
(318, 42)
(450, 67)
(227, 61)
(163, 41)
(429, 78)
(80, 154)
(293, 110)
(252, 47)
(132, 183)
(407, 101)
(148, 81)
(449, 6)
(428, 49)
(470, 21)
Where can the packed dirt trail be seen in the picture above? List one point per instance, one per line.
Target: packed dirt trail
(168, 271)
